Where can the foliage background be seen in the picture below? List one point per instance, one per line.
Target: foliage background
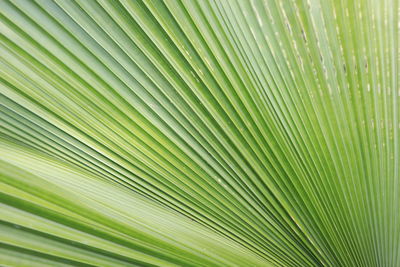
(199, 133)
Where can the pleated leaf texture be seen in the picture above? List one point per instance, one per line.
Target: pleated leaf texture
(199, 133)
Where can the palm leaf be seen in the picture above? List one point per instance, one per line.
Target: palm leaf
(199, 133)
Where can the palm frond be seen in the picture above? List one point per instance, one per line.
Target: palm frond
(199, 133)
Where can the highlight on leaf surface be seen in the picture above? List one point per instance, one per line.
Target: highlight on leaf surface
(199, 133)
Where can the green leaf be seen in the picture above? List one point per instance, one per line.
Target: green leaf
(199, 133)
